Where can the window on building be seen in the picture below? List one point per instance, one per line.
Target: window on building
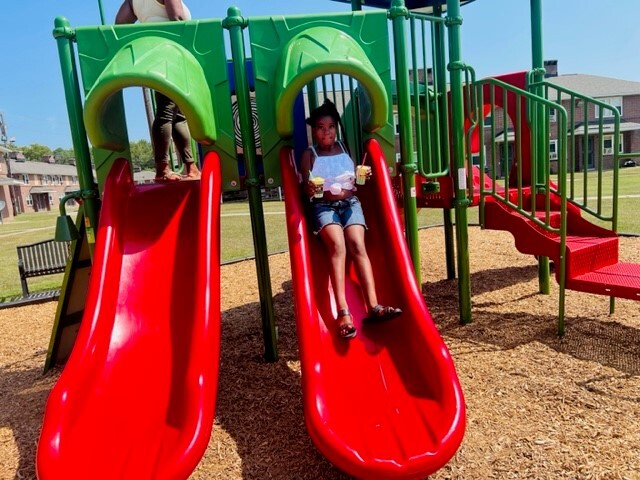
(553, 149)
(615, 102)
(25, 179)
(553, 113)
(608, 145)
(50, 199)
(487, 121)
(74, 180)
(396, 124)
(29, 200)
(476, 157)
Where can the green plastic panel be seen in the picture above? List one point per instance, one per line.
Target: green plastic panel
(184, 60)
(161, 65)
(289, 52)
(314, 52)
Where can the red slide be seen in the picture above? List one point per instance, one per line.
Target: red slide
(137, 397)
(387, 404)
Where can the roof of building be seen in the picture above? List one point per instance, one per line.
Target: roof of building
(42, 168)
(41, 189)
(609, 128)
(9, 181)
(596, 86)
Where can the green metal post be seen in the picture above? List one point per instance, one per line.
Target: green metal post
(312, 95)
(101, 12)
(449, 244)
(235, 24)
(64, 35)
(398, 14)
(356, 5)
(538, 128)
(440, 74)
(461, 202)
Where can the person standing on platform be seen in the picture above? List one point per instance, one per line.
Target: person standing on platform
(169, 121)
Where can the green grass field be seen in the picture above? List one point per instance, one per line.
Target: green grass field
(237, 240)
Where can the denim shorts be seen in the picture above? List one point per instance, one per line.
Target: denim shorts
(345, 212)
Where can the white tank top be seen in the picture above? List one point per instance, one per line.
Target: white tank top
(148, 11)
(335, 169)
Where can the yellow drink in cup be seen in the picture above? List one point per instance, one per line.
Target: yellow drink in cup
(319, 184)
(361, 174)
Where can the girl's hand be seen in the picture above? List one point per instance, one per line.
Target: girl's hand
(309, 188)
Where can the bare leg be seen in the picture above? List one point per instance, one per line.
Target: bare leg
(333, 238)
(354, 236)
(355, 244)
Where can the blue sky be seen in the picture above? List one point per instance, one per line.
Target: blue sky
(585, 36)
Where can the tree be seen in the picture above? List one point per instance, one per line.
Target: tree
(141, 154)
(64, 155)
(35, 152)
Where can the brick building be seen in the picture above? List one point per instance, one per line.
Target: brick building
(34, 186)
(38, 186)
(6, 184)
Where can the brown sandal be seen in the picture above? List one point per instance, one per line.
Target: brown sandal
(380, 313)
(346, 330)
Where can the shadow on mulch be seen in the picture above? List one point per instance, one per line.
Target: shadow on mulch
(260, 404)
(606, 342)
(23, 394)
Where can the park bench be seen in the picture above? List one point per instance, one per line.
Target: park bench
(41, 258)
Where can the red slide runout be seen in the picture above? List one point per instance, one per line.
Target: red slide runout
(136, 398)
(387, 404)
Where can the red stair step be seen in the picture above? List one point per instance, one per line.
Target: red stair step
(587, 254)
(617, 280)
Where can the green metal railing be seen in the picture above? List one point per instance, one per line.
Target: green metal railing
(429, 101)
(498, 143)
(512, 194)
(345, 93)
(590, 121)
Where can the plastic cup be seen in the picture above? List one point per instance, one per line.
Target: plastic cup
(361, 174)
(318, 182)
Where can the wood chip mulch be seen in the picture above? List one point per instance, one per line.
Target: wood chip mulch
(538, 407)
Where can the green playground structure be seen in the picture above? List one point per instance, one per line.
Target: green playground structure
(446, 139)
(436, 98)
